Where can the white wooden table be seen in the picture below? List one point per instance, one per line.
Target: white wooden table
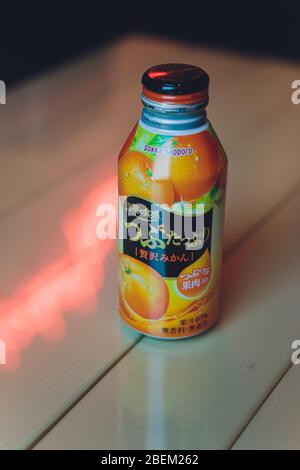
(75, 377)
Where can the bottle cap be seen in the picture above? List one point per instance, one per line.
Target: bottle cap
(176, 83)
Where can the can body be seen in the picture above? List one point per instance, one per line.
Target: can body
(171, 210)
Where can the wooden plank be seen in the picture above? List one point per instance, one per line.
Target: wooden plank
(57, 124)
(58, 306)
(277, 424)
(264, 167)
(199, 393)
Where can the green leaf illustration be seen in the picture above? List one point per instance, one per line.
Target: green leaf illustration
(159, 140)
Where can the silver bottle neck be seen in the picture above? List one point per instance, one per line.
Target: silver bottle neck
(173, 117)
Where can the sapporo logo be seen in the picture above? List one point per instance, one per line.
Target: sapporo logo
(2, 92)
(295, 98)
(2, 353)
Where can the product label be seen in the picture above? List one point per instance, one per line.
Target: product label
(167, 241)
(171, 201)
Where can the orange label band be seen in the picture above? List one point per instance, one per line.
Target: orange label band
(171, 205)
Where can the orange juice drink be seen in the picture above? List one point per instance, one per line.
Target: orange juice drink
(172, 181)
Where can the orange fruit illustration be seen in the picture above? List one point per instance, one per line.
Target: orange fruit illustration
(142, 289)
(193, 175)
(136, 179)
(194, 278)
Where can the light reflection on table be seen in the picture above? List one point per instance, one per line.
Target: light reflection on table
(69, 284)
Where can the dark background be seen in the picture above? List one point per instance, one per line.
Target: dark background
(36, 36)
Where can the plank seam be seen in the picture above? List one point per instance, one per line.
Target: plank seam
(82, 395)
(259, 407)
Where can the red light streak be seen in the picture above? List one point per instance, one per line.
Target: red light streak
(157, 74)
(71, 283)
